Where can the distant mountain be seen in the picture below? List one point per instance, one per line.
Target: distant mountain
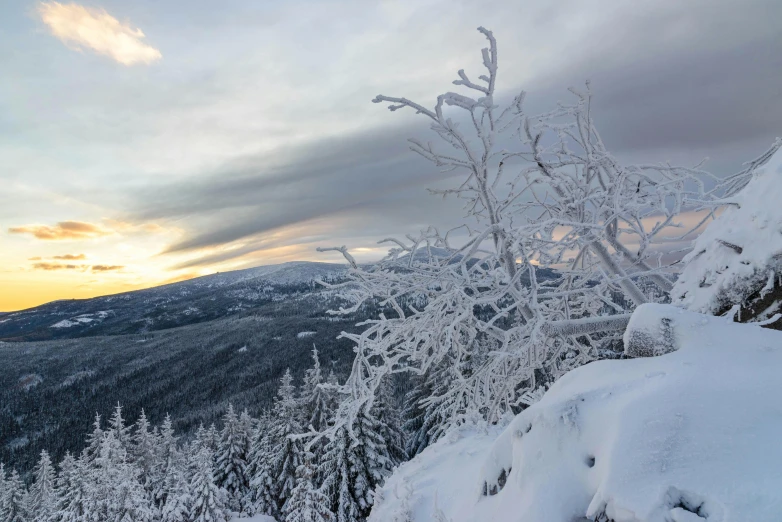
(177, 304)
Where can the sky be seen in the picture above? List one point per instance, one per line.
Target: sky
(152, 141)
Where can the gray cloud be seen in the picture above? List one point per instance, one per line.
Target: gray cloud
(677, 78)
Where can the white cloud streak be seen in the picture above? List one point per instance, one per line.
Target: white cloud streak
(95, 29)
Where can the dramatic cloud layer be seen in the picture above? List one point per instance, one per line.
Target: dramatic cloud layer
(258, 142)
(95, 29)
(63, 230)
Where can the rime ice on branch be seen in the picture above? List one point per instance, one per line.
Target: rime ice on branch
(539, 192)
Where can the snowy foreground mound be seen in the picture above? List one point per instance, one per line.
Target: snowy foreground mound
(688, 436)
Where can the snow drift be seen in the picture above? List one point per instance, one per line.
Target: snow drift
(686, 436)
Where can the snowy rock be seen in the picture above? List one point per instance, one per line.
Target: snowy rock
(686, 436)
(737, 253)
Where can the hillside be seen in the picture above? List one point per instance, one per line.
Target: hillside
(177, 304)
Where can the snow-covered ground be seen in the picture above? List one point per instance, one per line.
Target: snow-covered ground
(692, 435)
(256, 518)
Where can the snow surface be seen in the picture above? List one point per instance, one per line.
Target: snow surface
(729, 258)
(81, 319)
(256, 518)
(686, 436)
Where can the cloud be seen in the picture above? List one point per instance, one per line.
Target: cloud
(71, 257)
(63, 230)
(37, 258)
(61, 266)
(106, 268)
(95, 29)
(57, 266)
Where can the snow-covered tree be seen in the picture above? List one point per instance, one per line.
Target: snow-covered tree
(246, 431)
(354, 463)
(118, 428)
(315, 399)
(72, 491)
(389, 425)
(169, 462)
(230, 465)
(15, 494)
(208, 500)
(307, 503)
(260, 497)
(143, 450)
(336, 467)
(42, 499)
(115, 490)
(278, 455)
(178, 498)
(543, 196)
(94, 440)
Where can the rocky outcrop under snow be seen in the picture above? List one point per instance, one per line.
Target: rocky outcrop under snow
(739, 255)
(691, 435)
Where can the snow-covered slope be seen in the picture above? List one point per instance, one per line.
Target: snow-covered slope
(736, 254)
(692, 435)
(176, 304)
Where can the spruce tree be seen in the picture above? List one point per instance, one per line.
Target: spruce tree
(315, 400)
(42, 497)
(94, 440)
(169, 462)
(389, 425)
(230, 463)
(13, 508)
(275, 455)
(116, 493)
(3, 488)
(355, 462)
(260, 497)
(143, 448)
(307, 503)
(208, 504)
(72, 491)
(118, 428)
(178, 499)
(335, 467)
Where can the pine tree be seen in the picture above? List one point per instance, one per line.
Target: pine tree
(169, 462)
(414, 414)
(279, 456)
(335, 467)
(42, 498)
(3, 489)
(94, 440)
(259, 498)
(143, 448)
(307, 503)
(116, 493)
(389, 424)
(230, 465)
(246, 428)
(370, 462)
(72, 491)
(212, 439)
(315, 400)
(208, 499)
(353, 465)
(178, 499)
(13, 508)
(118, 428)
